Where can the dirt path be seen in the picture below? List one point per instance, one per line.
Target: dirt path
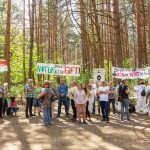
(19, 133)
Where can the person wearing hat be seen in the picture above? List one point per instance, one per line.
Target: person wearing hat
(46, 102)
(29, 98)
(103, 91)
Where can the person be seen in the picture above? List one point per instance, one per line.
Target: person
(141, 103)
(94, 88)
(14, 107)
(112, 97)
(62, 92)
(103, 99)
(46, 94)
(71, 94)
(1, 101)
(29, 98)
(119, 96)
(80, 100)
(36, 101)
(124, 99)
(90, 97)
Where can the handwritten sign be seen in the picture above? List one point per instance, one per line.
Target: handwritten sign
(126, 73)
(58, 69)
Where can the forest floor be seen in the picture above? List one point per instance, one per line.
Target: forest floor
(20, 133)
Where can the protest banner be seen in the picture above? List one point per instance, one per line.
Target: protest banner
(127, 73)
(3, 66)
(58, 69)
(99, 75)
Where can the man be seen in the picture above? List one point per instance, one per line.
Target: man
(1, 101)
(124, 99)
(141, 98)
(103, 91)
(71, 95)
(29, 97)
(62, 92)
(111, 97)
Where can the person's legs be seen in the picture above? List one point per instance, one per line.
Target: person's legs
(106, 104)
(93, 111)
(45, 115)
(74, 109)
(87, 110)
(83, 106)
(5, 105)
(122, 109)
(1, 107)
(144, 106)
(90, 107)
(79, 112)
(51, 113)
(48, 116)
(113, 106)
(109, 101)
(126, 102)
(27, 106)
(99, 106)
(139, 105)
(102, 108)
(59, 106)
(68, 103)
(30, 107)
(66, 106)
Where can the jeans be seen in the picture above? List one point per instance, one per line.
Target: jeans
(125, 104)
(68, 103)
(29, 104)
(87, 110)
(113, 105)
(74, 109)
(105, 109)
(64, 101)
(47, 118)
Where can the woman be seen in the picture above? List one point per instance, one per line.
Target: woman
(46, 94)
(80, 100)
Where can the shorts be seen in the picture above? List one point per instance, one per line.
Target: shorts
(36, 103)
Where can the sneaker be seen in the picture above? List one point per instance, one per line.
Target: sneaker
(67, 116)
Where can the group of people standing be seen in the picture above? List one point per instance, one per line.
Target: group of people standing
(82, 97)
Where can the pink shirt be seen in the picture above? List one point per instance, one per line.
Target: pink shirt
(80, 97)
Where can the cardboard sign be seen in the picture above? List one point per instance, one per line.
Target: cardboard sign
(58, 69)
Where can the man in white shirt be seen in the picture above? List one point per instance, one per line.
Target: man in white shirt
(103, 99)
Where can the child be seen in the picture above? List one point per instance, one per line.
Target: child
(14, 107)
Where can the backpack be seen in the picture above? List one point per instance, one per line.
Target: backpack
(143, 93)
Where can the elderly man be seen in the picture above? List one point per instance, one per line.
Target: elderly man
(29, 97)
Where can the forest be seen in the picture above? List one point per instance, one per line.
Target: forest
(90, 33)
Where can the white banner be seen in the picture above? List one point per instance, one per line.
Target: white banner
(3, 66)
(99, 75)
(127, 73)
(58, 69)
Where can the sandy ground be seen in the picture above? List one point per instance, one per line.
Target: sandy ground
(19, 133)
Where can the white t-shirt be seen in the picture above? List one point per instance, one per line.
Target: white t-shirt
(103, 97)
